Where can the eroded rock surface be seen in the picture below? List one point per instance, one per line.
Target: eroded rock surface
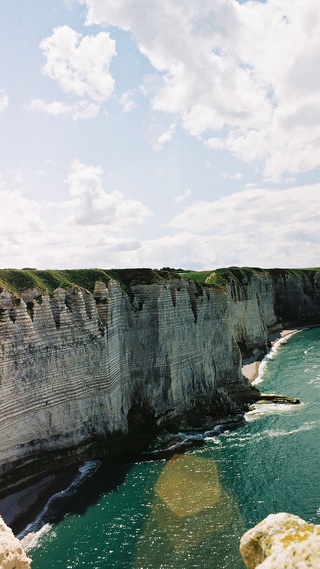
(282, 541)
(80, 369)
(12, 555)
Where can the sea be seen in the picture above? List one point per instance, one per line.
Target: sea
(189, 510)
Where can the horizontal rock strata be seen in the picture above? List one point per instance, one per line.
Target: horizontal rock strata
(79, 370)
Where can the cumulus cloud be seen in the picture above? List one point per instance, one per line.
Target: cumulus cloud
(92, 227)
(243, 77)
(81, 67)
(97, 228)
(94, 206)
(79, 64)
(162, 138)
(4, 101)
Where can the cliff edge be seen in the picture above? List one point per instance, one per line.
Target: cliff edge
(91, 359)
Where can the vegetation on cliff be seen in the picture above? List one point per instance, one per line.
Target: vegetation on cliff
(18, 280)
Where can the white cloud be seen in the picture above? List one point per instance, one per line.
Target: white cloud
(252, 227)
(227, 176)
(80, 65)
(253, 208)
(127, 101)
(19, 217)
(91, 227)
(4, 101)
(166, 136)
(162, 138)
(92, 205)
(183, 196)
(243, 75)
(78, 110)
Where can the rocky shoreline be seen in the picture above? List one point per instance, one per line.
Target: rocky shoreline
(94, 373)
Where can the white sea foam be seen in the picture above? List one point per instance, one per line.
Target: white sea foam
(36, 526)
(242, 440)
(31, 540)
(315, 382)
(262, 409)
(214, 440)
(271, 355)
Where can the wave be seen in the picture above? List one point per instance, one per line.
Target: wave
(242, 439)
(31, 540)
(309, 426)
(272, 354)
(262, 409)
(41, 523)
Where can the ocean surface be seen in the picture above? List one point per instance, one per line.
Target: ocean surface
(190, 511)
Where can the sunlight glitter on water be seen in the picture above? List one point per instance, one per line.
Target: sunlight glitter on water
(268, 464)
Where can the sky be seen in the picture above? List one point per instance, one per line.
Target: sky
(155, 133)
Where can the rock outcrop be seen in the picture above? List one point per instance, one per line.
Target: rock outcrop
(282, 541)
(80, 370)
(12, 555)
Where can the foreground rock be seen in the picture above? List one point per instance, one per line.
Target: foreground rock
(12, 555)
(282, 541)
(276, 398)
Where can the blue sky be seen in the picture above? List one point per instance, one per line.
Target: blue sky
(181, 133)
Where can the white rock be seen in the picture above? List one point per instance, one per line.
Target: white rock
(12, 555)
(282, 541)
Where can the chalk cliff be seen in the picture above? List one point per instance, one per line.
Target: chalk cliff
(80, 369)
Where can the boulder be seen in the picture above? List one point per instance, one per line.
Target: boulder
(282, 541)
(12, 555)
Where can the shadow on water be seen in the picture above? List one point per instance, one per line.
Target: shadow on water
(73, 490)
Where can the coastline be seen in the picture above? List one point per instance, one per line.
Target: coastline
(20, 508)
(251, 366)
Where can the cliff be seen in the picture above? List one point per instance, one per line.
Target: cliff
(84, 366)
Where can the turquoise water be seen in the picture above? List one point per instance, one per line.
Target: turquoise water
(190, 511)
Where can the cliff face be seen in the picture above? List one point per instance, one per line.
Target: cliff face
(264, 301)
(76, 367)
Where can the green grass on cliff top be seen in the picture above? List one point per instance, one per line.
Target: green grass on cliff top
(16, 280)
(220, 277)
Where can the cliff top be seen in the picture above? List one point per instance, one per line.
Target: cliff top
(18, 280)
